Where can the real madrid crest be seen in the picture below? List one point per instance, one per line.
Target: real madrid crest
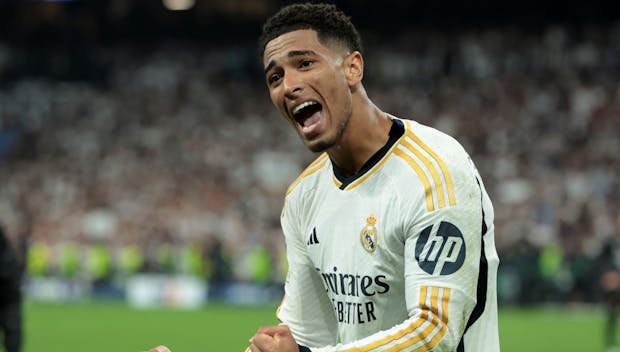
(368, 235)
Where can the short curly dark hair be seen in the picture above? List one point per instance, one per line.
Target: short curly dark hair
(327, 20)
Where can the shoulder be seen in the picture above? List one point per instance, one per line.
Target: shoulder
(302, 190)
(437, 160)
(433, 141)
(309, 176)
(441, 149)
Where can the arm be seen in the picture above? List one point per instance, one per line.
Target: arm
(305, 308)
(306, 313)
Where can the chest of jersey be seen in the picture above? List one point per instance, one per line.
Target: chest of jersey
(354, 239)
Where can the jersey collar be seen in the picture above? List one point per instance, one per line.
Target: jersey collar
(396, 131)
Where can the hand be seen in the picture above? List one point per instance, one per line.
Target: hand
(159, 349)
(273, 339)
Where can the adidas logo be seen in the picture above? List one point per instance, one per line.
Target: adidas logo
(312, 239)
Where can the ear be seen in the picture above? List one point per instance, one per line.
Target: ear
(354, 68)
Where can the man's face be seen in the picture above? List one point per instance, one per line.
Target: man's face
(307, 83)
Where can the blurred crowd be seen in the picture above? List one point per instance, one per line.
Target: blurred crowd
(174, 160)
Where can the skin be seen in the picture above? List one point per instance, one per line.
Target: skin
(351, 128)
(273, 339)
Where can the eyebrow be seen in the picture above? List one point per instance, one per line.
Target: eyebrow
(290, 54)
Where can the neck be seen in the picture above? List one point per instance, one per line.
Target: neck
(367, 131)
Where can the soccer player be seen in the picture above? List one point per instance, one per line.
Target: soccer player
(389, 232)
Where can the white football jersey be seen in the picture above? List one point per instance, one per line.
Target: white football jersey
(400, 257)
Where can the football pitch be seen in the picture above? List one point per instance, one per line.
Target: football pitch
(114, 327)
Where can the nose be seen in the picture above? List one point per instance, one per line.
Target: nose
(292, 85)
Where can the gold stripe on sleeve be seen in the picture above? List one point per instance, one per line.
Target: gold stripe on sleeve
(431, 168)
(444, 325)
(440, 162)
(438, 318)
(427, 186)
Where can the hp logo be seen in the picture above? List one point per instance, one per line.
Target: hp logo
(440, 252)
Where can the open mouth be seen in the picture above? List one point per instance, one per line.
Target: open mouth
(305, 113)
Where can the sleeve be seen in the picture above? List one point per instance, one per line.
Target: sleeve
(305, 308)
(442, 262)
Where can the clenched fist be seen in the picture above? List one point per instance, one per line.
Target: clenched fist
(273, 339)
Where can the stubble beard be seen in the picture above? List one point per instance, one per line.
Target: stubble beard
(325, 145)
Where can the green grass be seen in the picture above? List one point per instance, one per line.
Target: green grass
(106, 327)
(560, 329)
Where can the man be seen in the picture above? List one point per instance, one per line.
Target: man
(389, 232)
(10, 296)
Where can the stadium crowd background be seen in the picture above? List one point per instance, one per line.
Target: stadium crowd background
(123, 153)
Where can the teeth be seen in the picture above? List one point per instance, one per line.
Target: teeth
(301, 106)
